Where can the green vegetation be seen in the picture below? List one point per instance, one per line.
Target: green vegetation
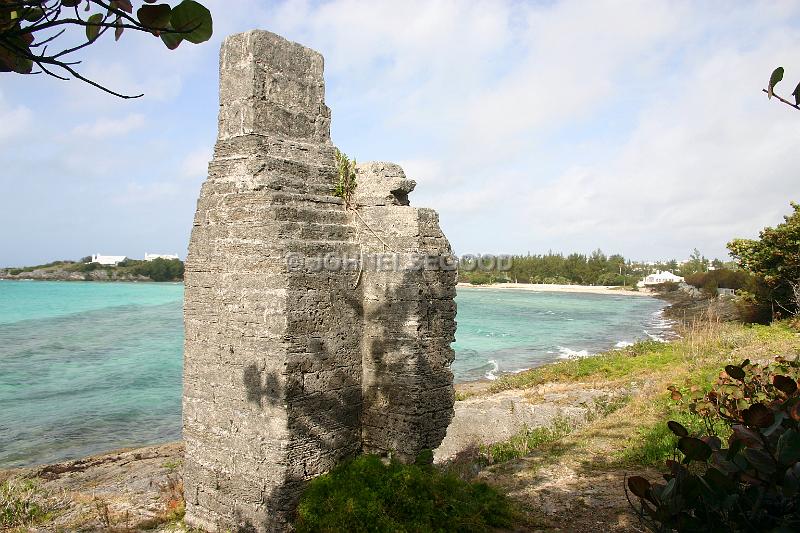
(756, 479)
(365, 494)
(643, 357)
(26, 26)
(594, 269)
(775, 258)
(23, 503)
(345, 178)
(524, 442)
(156, 270)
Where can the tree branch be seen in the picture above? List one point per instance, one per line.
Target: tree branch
(787, 102)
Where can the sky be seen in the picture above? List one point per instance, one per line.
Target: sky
(636, 127)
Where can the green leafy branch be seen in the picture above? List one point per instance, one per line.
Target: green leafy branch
(774, 79)
(28, 28)
(346, 178)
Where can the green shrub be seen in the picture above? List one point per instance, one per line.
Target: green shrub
(160, 269)
(22, 503)
(365, 494)
(754, 483)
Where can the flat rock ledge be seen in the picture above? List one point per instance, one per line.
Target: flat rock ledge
(131, 488)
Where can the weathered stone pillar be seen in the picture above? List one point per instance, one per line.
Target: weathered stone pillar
(409, 317)
(292, 365)
(272, 373)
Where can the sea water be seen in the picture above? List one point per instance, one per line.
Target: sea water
(87, 367)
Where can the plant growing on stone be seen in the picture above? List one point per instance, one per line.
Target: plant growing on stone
(754, 483)
(30, 28)
(346, 178)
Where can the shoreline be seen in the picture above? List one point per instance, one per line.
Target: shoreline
(549, 287)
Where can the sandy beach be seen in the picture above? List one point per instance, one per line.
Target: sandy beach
(549, 287)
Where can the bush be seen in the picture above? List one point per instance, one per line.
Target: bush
(161, 269)
(22, 503)
(754, 483)
(366, 495)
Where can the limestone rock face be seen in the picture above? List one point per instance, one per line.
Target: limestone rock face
(293, 363)
(380, 183)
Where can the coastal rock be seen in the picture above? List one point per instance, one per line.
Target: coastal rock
(302, 349)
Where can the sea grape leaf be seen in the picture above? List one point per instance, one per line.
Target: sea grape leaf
(193, 19)
(639, 486)
(789, 447)
(785, 384)
(735, 372)
(93, 28)
(154, 16)
(694, 449)
(677, 428)
(758, 415)
(775, 77)
(760, 460)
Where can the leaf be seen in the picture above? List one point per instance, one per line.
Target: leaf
(154, 17)
(33, 14)
(777, 76)
(122, 5)
(794, 411)
(172, 40)
(676, 395)
(694, 449)
(12, 61)
(677, 429)
(746, 436)
(785, 384)
(760, 460)
(70, 3)
(735, 372)
(713, 441)
(758, 415)
(789, 447)
(118, 29)
(638, 486)
(93, 29)
(718, 481)
(194, 20)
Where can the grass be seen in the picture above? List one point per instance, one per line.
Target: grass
(649, 356)
(365, 494)
(524, 442)
(637, 434)
(23, 503)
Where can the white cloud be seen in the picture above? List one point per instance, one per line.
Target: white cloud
(637, 127)
(14, 120)
(195, 164)
(103, 128)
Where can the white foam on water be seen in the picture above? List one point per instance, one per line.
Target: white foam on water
(623, 344)
(569, 353)
(490, 375)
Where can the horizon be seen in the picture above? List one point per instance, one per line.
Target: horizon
(657, 142)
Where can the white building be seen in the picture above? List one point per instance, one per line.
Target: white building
(150, 257)
(108, 260)
(660, 277)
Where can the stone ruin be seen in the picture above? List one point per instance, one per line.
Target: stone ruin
(291, 364)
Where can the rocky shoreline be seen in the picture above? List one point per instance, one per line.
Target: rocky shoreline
(138, 489)
(67, 275)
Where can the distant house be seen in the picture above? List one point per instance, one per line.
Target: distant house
(150, 257)
(108, 260)
(660, 277)
(721, 291)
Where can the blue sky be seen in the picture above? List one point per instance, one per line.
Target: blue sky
(636, 127)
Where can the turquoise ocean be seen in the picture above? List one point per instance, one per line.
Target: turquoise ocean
(90, 367)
